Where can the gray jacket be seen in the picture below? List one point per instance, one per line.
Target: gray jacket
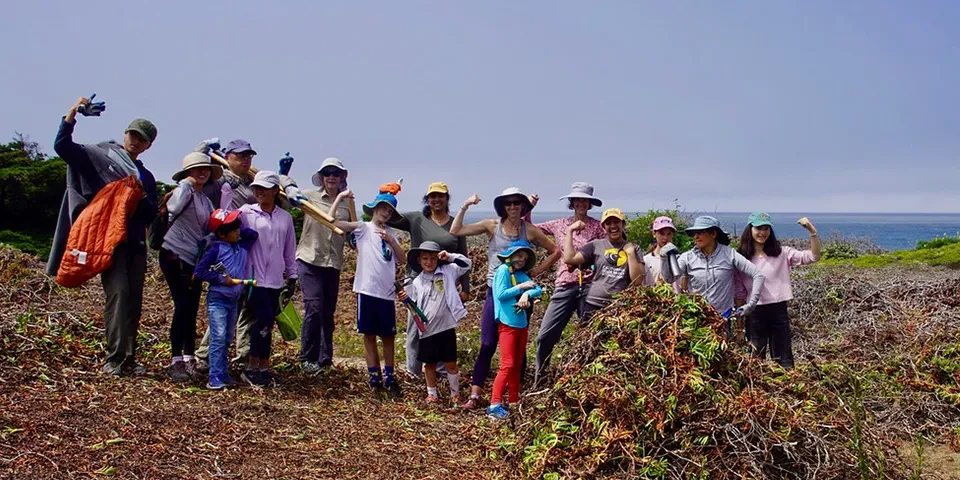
(189, 213)
(242, 193)
(713, 276)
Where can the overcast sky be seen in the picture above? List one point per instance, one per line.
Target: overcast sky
(815, 106)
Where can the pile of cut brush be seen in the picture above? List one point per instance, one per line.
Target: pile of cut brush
(652, 390)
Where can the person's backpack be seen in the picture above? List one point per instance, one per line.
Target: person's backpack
(161, 224)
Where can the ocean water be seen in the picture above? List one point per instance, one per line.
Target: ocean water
(891, 231)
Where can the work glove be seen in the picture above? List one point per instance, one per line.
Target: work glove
(290, 285)
(285, 163)
(92, 109)
(668, 249)
(294, 194)
(207, 145)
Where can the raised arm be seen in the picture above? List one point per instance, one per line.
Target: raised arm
(814, 241)
(180, 196)
(342, 196)
(570, 255)
(665, 270)
(634, 264)
(483, 226)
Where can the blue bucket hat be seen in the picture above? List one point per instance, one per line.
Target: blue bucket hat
(515, 247)
(387, 198)
(759, 219)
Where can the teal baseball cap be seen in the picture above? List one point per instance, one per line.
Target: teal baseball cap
(759, 219)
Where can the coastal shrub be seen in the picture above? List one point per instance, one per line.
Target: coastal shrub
(638, 228)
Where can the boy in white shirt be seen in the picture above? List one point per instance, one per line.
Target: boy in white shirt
(435, 292)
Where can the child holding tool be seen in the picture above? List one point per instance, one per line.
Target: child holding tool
(434, 293)
(223, 265)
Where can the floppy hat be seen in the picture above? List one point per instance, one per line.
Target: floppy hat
(221, 217)
(759, 219)
(612, 212)
(515, 247)
(413, 256)
(663, 222)
(511, 192)
(330, 162)
(266, 179)
(145, 128)
(386, 198)
(702, 223)
(197, 159)
(582, 190)
(239, 146)
(438, 187)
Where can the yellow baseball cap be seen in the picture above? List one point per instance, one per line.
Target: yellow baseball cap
(612, 212)
(438, 187)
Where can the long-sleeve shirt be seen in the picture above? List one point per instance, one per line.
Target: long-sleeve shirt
(233, 257)
(189, 210)
(422, 229)
(713, 276)
(239, 191)
(776, 275)
(319, 246)
(506, 293)
(436, 295)
(274, 255)
(558, 230)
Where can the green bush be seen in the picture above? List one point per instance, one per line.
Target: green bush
(32, 243)
(639, 228)
(937, 242)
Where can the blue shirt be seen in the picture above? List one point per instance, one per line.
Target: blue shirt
(505, 296)
(234, 259)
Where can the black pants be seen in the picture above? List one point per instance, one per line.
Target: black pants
(320, 286)
(123, 287)
(768, 329)
(265, 303)
(185, 291)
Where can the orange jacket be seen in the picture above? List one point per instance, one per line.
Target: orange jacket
(101, 226)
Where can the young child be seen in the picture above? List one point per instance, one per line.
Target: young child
(513, 292)
(222, 265)
(435, 292)
(378, 254)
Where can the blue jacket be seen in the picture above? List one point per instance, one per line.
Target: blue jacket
(506, 294)
(234, 259)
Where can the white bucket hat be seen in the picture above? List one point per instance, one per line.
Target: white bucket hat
(197, 159)
(583, 190)
(511, 192)
(330, 162)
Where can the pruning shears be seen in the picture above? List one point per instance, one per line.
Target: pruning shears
(736, 324)
(418, 316)
(222, 270)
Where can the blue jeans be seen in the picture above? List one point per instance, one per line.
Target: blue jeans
(222, 313)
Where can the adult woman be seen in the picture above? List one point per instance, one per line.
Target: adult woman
(663, 232)
(189, 211)
(710, 266)
(273, 260)
(431, 224)
(769, 325)
(319, 261)
(571, 283)
(511, 205)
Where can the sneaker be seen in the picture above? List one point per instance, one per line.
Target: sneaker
(432, 399)
(178, 371)
(193, 368)
(393, 389)
(133, 369)
(216, 383)
(497, 412)
(112, 369)
(252, 377)
(310, 368)
(471, 404)
(375, 385)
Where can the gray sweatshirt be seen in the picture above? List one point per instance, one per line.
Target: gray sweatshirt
(189, 212)
(713, 276)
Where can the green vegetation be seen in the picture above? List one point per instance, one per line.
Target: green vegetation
(948, 254)
(937, 242)
(638, 228)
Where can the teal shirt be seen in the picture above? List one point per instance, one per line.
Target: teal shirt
(505, 296)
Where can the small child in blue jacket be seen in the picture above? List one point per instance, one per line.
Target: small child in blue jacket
(513, 292)
(223, 265)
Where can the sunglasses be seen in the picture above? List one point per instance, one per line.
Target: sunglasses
(513, 203)
(330, 172)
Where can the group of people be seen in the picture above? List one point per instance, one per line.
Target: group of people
(230, 229)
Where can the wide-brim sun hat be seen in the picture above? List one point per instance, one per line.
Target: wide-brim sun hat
(582, 190)
(413, 256)
(317, 179)
(194, 160)
(706, 222)
(515, 247)
(511, 192)
(759, 219)
(383, 198)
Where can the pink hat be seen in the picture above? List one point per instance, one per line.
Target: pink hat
(663, 222)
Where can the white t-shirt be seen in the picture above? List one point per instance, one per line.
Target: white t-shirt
(376, 263)
(652, 276)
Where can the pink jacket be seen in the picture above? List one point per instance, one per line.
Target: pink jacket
(776, 272)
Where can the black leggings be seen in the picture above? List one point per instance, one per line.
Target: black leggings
(185, 291)
(768, 328)
(265, 303)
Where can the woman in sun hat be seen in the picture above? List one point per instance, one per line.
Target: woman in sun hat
(319, 262)
(710, 266)
(431, 224)
(188, 210)
(511, 205)
(663, 233)
(768, 328)
(571, 283)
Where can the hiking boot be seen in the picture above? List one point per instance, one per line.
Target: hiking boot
(192, 368)
(178, 371)
(216, 383)
(112, 369)
(472, 403)
(393, 389)
(310, 368)
(252, 377)
(497, 412)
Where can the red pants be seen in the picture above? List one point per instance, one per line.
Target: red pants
(513, 343)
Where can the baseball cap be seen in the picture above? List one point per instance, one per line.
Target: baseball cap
(759, 219)
(145, 128)
(438, 187)
(239, 146)
(663, 222)
(266, 179)
(221, 217)
(612, 212)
